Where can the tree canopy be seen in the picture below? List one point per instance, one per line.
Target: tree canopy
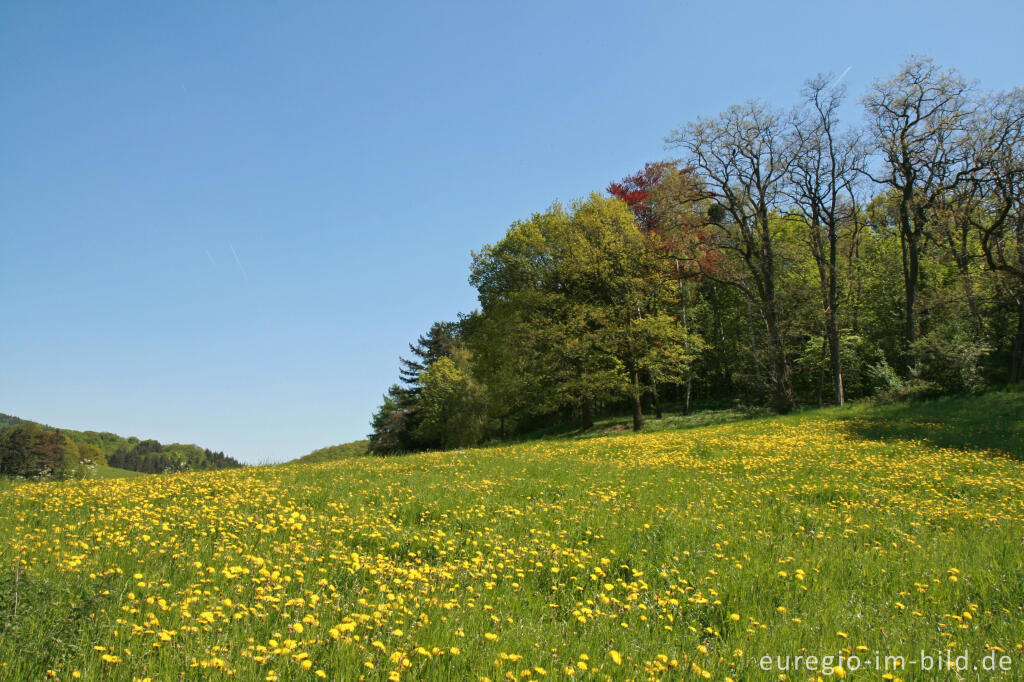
(785, 257)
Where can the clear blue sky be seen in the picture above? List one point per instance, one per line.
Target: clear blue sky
(351, 155)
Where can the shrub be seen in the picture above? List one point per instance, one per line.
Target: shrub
(914, 389)
(882, 378)
(950, 360)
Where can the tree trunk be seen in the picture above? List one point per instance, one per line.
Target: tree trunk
(1017, 355)
(782, 398)
(587, 414)
(638, 412)
(837, 365)
(910, 282)
(909, 241)
(972, 301)
(821, 372)
(753, 345)
(832, 322)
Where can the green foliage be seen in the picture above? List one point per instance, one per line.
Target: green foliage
(32, 451)
(392, 432)
(764, 267)
(883, 378)
(452, 405)
(951, 361)
(396, 422)
(90, 454)
(912, 389)
(576, 301)
(87, 449)
(151, 457)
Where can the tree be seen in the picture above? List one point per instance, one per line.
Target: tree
(391, 424)
(994, 205)
(918, 121)
(636, 191)
(33, 451)
(743, 160)
(591, 290)
(395, 422)
(505, 364)
(552, 323)
(437, 343)
(822, 175)
(452, 405)
(91, 453)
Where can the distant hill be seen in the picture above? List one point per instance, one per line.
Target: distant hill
(335, 452)
(131, 453)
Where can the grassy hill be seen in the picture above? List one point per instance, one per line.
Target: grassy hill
(333, 453)
(132, 454)
(687, 553)
(107, 442)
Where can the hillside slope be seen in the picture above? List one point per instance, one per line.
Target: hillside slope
(870, 531)
(333, 453)
(132, 454)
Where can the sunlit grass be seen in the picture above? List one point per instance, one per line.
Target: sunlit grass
(678, 554)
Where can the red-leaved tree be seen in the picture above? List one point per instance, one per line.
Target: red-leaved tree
(669, 208)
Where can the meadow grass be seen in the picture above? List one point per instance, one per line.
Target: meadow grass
(679, 554)
(331, 453)
(103, 471)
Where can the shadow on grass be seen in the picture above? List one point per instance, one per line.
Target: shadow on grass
(992, 421)
(622, 424)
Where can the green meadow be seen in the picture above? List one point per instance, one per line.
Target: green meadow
(852, 537)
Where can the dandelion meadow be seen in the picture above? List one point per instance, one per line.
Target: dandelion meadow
(679, 554)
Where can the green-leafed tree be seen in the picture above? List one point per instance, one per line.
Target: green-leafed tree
(452, 409)
(395, 423)
(743, 159)
(439, 341)
(88, 453)
(919, 121)
(30, 450)
(391, 424)
(588, 292)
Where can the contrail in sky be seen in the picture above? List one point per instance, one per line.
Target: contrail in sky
(210, 256)
(841, 77)
(237, 260)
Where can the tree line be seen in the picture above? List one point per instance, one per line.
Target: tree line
(151, 457)
(31, 450)
(783, 258)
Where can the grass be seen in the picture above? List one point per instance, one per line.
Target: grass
(102, 471)
(332, 453)
(685, 553)
(619, 423)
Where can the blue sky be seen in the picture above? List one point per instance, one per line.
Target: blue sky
(222, 223)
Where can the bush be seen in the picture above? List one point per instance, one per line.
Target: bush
(950, 360)
(90, 454)
(914, 389)
(882, 378)
(855, 354)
